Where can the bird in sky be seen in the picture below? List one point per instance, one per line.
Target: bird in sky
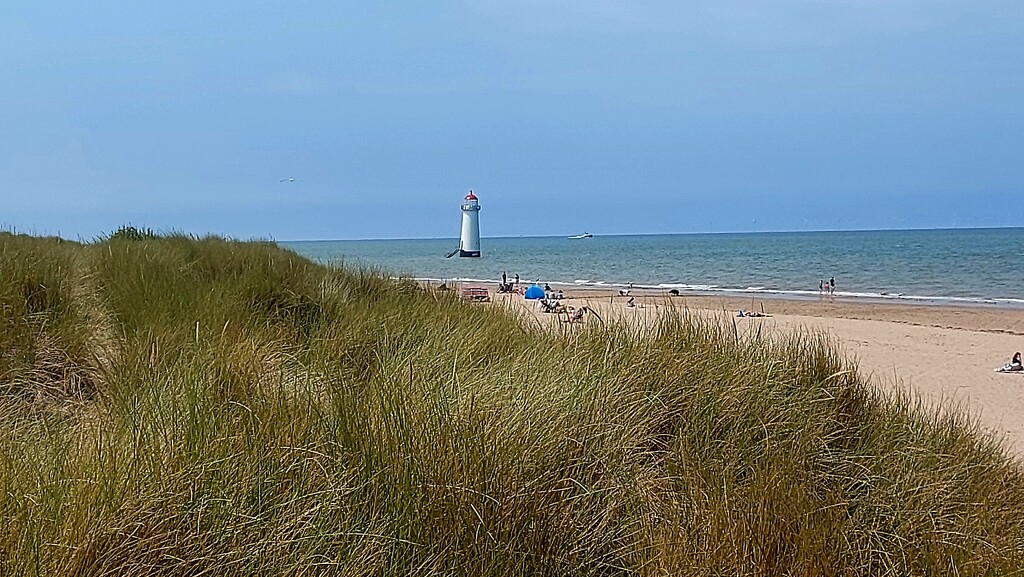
(287, 180)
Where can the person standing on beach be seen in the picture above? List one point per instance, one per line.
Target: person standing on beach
(517, 279)
(832, 286)
(821, 286)
(504, 278)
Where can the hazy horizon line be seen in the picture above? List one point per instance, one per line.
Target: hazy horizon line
(621, 234)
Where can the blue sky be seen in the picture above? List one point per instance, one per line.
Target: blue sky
(563, 116)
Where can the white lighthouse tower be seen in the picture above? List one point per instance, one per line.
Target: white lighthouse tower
(469, 242)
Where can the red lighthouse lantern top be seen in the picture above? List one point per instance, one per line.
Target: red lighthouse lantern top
(471, 196)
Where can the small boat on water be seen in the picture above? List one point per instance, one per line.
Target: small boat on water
(584, 235)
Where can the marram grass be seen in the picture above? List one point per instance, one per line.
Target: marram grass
(183, 406)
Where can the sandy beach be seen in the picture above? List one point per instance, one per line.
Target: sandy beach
(944, 354)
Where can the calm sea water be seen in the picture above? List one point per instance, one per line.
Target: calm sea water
(977, 266)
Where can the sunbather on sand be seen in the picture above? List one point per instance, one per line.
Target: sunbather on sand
(631, 303)
(1012, 366)
(551, 306)
(575, 316)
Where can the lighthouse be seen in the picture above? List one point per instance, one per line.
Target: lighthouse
(469, 242)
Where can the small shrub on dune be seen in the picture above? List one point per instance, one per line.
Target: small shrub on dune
(131, 233)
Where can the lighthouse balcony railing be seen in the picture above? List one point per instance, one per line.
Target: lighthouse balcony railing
(470, 206)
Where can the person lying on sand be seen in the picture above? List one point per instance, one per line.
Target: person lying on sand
(1012, 366)
(752, 314)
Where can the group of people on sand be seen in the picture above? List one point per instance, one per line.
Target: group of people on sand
(827, 287)
(508, 287)
(572, 314)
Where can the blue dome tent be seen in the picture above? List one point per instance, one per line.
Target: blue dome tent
(534, 292)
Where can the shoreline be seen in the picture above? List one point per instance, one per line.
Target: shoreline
(970, 317)
(713, 291)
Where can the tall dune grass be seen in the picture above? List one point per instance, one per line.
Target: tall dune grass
(190, 406)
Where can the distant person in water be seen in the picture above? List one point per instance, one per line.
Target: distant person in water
(832, 286)
(821, 286)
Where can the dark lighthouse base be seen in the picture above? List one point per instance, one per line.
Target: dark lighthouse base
(471, 253)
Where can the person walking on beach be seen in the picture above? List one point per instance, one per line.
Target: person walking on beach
(517, 279)
(504, 278)
(821, 286)
(832, 286)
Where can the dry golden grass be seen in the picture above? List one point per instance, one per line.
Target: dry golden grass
(181, 406)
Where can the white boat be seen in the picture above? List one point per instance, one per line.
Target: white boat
(584, 235)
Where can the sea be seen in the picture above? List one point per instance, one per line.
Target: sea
(982, 267)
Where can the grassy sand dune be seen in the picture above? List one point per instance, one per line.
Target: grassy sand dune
(179, 406)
